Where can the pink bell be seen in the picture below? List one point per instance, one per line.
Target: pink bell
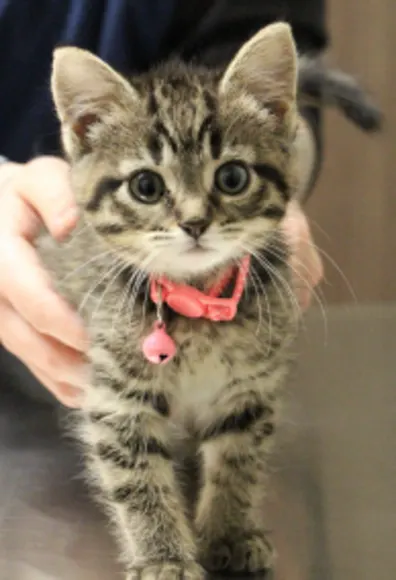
(158, 347)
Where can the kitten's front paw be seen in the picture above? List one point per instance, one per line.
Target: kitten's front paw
(168, 571)
(246, 553)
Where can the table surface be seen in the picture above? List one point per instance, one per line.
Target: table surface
(331, 504)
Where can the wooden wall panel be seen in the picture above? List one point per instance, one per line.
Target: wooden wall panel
(354, 201)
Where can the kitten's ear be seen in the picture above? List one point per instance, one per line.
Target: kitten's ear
(86, 92)
(266, 69)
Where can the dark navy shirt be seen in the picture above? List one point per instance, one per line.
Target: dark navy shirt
(125, 33)
(131, 35)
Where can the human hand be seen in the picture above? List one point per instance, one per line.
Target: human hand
(51, 341)
(37, 325)
(305, 262)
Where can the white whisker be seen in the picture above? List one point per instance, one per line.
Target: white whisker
(277, 276)
(251, 275)
(316, 293)
(255, 254)
(114, 263)
(264, 293)
(75, 235)
(114, 272)
(288, 289)
(153, 256)
(85, 264)
(144, 310)
(124, 299)
(337, 268)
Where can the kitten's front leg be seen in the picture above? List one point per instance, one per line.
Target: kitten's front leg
(234, 448)
(130, 458)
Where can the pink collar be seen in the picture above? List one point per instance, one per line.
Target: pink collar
(190, 302)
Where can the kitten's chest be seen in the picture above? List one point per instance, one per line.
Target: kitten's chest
(208, 358)
(199, 382)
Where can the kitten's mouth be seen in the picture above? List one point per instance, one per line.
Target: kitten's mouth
(198, 250)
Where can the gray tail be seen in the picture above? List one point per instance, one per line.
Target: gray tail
(331, 87)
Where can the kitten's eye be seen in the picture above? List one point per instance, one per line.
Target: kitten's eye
(147, 186)
(232, 178)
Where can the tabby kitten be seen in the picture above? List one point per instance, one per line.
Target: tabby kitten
(181, 172)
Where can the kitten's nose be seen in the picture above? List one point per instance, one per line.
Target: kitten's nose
(195, 227)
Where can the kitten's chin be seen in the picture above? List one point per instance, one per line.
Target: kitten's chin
(193, 262)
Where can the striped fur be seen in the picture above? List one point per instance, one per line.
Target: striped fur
(217, 401)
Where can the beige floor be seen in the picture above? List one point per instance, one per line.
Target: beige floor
(331, 505)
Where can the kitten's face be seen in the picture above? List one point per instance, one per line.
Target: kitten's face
(182, 171)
